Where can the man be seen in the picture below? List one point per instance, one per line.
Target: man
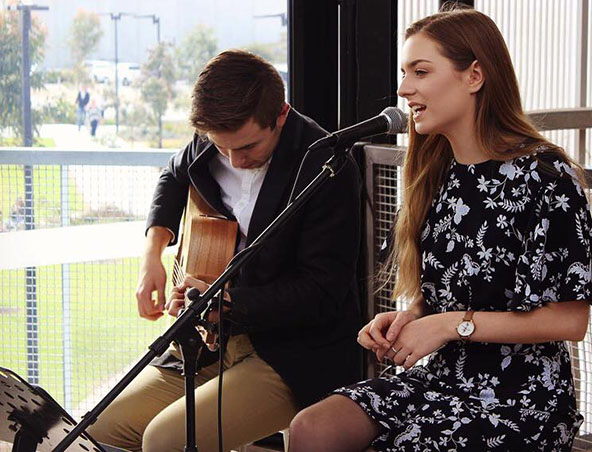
(294, 307)
(81, 102)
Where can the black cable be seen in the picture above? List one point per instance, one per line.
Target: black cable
(290, 199)
(221, 351)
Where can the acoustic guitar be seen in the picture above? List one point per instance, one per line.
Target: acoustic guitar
(207, 243)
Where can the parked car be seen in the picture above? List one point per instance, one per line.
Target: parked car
(101, 71)
(127, 72)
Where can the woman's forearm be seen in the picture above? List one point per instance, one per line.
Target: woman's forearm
(551, 322)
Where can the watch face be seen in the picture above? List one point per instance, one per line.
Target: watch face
(465, 328)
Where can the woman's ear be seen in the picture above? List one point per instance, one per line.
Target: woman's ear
(476, 77)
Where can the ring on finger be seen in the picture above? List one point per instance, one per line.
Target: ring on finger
(395, 351)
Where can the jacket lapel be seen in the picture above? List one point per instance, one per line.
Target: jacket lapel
(279, 176)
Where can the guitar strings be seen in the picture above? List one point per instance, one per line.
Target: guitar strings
(178, 273)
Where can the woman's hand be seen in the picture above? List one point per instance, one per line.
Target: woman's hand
(383, 330)
(417, 339)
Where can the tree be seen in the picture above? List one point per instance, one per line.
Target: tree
(85, 34)
(274, 52)
(198, 47)
(156, 82)
(11, 108)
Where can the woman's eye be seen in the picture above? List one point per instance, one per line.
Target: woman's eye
(419, 72)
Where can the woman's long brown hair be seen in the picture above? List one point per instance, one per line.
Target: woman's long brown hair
(463, 36)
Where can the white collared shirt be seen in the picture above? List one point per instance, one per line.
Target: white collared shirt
(239, 189)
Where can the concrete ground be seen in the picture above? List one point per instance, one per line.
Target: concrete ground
(67, 136)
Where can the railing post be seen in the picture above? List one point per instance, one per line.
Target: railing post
(32, 318)
(66, 299)
(581, 74)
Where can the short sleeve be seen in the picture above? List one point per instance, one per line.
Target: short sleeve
(556, 260)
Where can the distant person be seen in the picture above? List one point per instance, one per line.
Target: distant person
(94, 116)
(17, 214)
(81, 102)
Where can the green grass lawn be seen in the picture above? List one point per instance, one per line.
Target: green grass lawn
(46, 190)
(41, 142)
(106, 333)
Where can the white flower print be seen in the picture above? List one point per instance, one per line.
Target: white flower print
(561, 202)
(482, 186)
(508, 169)
(460, 210)
(502, 221)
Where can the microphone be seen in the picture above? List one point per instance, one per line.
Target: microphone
(390, 121)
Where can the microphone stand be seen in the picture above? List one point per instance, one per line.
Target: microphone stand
(195, 309)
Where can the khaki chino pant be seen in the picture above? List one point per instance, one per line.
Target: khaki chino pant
(149, 415)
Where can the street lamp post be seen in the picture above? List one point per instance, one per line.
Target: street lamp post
(155, 21)
(30, 272)
(115, 18)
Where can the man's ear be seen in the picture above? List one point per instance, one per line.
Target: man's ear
(476, 77)
(281, 119)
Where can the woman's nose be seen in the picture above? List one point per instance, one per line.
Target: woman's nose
(405, 88)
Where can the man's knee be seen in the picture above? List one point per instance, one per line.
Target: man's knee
(116, 431)
(157, 440)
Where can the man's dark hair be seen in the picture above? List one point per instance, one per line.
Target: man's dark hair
(233, 87)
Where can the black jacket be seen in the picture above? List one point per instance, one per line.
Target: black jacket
(297, 298)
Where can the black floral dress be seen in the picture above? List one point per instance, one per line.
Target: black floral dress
(500, 236)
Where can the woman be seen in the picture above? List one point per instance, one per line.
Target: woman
(493, 247)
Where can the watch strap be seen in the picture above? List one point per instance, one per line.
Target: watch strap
(468, 317)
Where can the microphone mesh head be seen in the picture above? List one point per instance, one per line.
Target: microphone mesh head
(397, 120)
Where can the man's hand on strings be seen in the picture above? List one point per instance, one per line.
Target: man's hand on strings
(177, 297)
(177, 300)
(152, 279)
(152, 276)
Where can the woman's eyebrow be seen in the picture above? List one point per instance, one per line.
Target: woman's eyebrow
(415, 62)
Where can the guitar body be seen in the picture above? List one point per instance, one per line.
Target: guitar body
(208, 241)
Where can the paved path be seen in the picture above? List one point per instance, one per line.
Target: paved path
(67, 136)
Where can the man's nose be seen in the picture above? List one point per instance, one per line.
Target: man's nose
(237, 159)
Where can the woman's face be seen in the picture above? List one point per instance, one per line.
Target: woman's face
(441, 99)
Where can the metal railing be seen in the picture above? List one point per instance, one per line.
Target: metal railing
(71, 238)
